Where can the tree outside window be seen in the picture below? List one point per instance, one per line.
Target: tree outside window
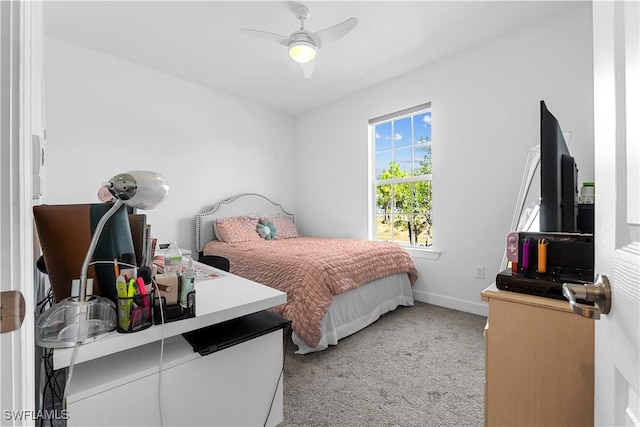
(402, 165)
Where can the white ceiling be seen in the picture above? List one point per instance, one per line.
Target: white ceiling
(199, 41)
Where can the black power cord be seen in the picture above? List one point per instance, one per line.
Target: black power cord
(53, 388)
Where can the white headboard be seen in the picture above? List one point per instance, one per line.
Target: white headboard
(240, 204)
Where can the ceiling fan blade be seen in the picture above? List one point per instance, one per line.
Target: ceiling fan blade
(283, 40)
(332, 34)
(307, 69)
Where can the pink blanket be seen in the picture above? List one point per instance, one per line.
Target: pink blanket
(312, 269)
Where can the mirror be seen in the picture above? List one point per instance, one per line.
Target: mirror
(526, 215)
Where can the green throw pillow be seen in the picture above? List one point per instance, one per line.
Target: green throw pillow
(266, 230)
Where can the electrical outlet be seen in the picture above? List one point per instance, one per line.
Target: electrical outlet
(479, 272)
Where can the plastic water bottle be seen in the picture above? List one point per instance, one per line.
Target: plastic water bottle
(172, 258)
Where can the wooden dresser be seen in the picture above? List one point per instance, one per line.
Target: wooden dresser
(539, 362)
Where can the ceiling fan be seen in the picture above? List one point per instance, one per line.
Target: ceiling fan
(303, 44)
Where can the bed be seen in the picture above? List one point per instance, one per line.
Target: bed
(335, 287)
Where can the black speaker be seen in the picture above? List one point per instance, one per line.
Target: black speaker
(585, 218)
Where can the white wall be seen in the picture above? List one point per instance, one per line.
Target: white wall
(485, 105)
(106, 116)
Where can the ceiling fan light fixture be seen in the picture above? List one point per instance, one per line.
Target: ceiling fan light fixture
(302, 51)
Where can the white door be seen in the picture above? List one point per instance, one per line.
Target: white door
(616, 40)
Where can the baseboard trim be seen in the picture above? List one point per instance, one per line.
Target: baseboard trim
(479, 308)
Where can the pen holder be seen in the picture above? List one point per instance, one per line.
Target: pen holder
(135, 313)
(173, 312)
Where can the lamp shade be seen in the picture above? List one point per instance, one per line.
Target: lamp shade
(302, 51)
(139, 189)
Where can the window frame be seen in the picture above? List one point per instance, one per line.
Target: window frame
(375, 182)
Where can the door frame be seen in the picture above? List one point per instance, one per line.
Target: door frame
(21, 47)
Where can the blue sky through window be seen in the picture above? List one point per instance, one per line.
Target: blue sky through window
(399, 140)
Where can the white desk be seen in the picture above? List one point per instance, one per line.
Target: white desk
(116, 378)
(223, 298)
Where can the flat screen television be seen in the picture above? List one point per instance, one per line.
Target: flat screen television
(558, 178)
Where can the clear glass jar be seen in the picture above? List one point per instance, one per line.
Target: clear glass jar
(587, 193)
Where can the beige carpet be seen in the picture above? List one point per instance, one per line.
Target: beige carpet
(416, 366)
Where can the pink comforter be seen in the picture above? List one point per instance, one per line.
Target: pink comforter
(312, 269)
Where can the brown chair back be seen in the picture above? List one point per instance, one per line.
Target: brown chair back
(65, 232)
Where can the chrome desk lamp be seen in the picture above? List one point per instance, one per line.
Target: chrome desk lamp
(81, 319)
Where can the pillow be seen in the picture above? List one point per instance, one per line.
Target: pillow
(266, 229)
(236, 229)
(285, 227)
(216, 233)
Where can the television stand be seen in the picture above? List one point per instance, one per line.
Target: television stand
(539, 361)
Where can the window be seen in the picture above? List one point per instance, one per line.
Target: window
(401, 146)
